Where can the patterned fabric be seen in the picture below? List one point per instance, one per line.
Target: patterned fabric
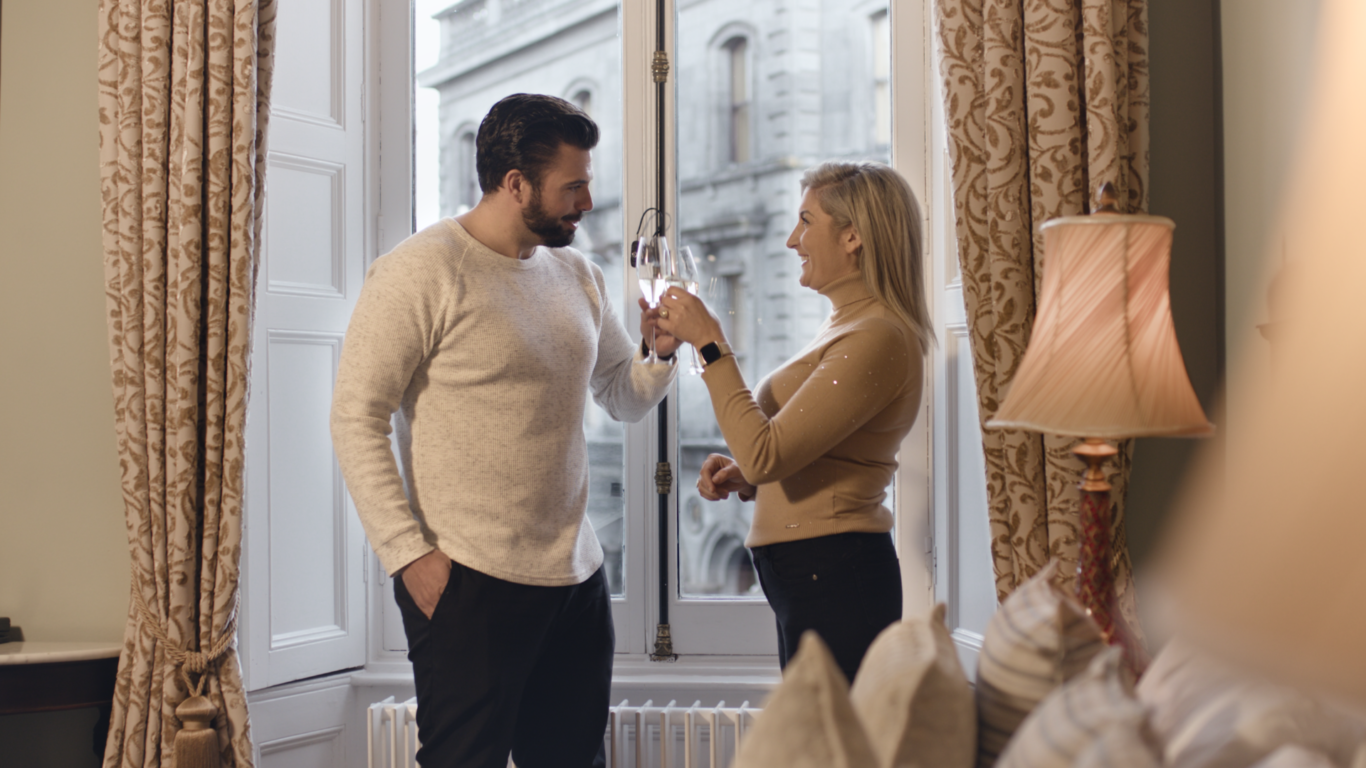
(1044, 100)
(1095, 715)
(183, 104)
(807, 721)
(1038, 640)
(914, 699)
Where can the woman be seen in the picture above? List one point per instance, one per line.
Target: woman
(815, 443)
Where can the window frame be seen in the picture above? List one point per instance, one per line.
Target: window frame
(390, 113)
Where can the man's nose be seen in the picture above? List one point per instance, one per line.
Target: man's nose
(585, 201)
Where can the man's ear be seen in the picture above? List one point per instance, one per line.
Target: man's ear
(517, 185)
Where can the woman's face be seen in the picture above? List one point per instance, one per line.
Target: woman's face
(827, 254)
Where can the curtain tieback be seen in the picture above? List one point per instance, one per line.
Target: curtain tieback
(196, 744)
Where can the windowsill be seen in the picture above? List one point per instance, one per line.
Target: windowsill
(709, 678)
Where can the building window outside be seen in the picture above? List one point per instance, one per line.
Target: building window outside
(738, 101)
(882, 74)
(469, 175)
(584, 100)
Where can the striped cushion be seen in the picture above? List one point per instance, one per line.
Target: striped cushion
(1095, 714)
(808, 721)
(913, 698)
(1039, 639)
(1208, 713)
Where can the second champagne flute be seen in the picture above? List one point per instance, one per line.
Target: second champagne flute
(686, 276)
(650, 271)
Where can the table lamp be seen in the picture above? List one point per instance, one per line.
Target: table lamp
(1103, 362)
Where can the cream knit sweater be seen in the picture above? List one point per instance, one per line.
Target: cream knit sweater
(488, 362)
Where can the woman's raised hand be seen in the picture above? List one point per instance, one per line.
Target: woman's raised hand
(720, 477)
(687, 318)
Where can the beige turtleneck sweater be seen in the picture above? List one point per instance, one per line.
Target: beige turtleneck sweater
(819, 435)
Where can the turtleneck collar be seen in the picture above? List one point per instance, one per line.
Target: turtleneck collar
(846, 290)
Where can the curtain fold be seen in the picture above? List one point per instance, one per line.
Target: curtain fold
(183, 104)
(1044, 100)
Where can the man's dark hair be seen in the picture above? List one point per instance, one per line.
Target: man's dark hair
(524, 132)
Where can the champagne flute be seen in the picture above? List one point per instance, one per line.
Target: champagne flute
(650, 271)
(684, 274)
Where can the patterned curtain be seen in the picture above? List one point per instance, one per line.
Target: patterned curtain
(183, 97)
(1045, 101)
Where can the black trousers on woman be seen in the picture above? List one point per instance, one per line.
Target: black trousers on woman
(846, 587)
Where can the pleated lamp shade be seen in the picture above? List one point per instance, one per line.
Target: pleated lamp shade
(1103, 360)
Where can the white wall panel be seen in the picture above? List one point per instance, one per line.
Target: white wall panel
(304, 236)
(308, 525)
(310, 81)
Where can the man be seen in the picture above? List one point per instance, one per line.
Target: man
(486, 333)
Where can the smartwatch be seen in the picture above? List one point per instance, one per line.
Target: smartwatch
(714, 351)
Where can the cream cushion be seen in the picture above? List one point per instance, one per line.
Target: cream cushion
(1094, 711)
(1207, 714)
(1038, 640)
(808, 722)
(1295, 756)
(1121, 746)
(913, 698)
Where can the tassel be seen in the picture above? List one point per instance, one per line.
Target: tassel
(196, 745)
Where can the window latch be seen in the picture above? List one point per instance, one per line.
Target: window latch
(660, 67)
(664, 478)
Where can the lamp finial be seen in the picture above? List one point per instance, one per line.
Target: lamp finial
(1107, 199)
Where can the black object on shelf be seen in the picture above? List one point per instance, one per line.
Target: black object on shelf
(8, 633)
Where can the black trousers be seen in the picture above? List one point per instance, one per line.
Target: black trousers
(503, 667)
(846, 587)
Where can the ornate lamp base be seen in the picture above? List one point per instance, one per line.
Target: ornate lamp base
(1095, 562)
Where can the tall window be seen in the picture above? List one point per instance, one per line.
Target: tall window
(882, 73)
(737, 51)
(736, 218)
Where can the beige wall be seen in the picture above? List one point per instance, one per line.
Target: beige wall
(1267, 75)
(63, 550)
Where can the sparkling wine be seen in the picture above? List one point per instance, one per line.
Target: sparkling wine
(651, 290)
(688, 285)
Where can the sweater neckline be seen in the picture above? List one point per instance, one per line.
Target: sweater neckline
(846, 290)
(491, 257)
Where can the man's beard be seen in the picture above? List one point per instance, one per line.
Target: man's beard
(555, 233)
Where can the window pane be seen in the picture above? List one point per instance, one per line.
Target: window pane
(813, 82)
(467, 56)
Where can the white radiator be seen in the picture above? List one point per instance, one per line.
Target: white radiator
(675, 737)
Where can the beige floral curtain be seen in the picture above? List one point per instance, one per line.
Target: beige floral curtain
(183, 94)
(1045, 100)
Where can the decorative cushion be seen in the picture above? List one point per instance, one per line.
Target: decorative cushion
(1121, 746)
(1096, 710)
(1207, 714)
(808, 722)
(1295, 756)
(1039, 639)
(913, 698)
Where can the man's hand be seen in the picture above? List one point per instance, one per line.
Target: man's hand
(665, 344)
(720, 477)
(425, 579)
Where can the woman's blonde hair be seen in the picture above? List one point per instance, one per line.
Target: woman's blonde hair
(878, 203)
